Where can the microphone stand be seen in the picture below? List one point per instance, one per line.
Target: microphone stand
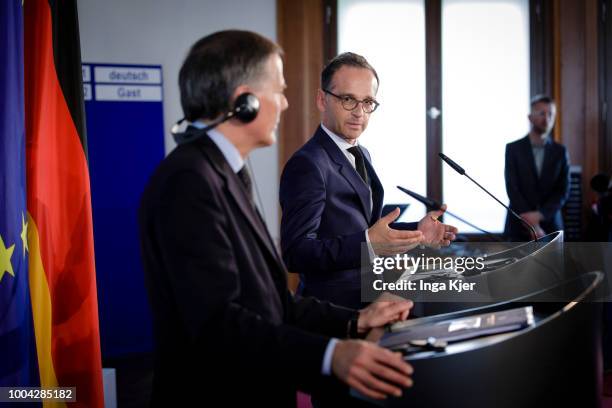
(434, 205)
(462, 172)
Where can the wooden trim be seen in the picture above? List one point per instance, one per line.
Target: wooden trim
(433, 91)
(541, 46)
(557, 94)
(592, 117)
(300, 31)
(570, 24)
(330, 31)
(605, 57)
(577, 83)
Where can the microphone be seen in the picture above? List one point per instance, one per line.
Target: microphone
(428, 202)
(434, 205)
(461, 171)
(246, 107)
(456, 167)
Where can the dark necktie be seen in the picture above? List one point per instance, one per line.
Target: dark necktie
(360, 163)
(245, 177)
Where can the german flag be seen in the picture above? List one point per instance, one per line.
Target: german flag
(60, 233)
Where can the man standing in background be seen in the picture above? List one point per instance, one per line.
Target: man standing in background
(537, 176)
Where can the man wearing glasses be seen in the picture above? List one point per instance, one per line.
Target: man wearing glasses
(332, 199)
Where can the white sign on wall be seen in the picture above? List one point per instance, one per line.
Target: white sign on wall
(128, 93)
(127, 75)
(122, 83)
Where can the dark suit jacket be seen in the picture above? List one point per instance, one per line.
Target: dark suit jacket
(326, 210)
(225, 325)
(528, 192)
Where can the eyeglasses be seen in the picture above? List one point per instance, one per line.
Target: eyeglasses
(349, 103)
(543, 113)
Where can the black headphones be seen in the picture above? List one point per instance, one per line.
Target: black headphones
(246, 107)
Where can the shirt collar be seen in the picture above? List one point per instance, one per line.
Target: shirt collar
(340, 142)
(229, 151)
(546, 142)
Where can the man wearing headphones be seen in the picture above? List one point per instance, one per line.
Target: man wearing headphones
(226, 327)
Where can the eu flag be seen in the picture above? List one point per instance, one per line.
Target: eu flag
(18, 360)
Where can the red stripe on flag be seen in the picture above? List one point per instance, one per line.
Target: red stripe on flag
(59, 202)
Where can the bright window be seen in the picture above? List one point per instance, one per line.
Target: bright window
(485, 93)
(391, 35)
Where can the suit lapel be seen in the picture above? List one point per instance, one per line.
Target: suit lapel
(377, 191)
(347, 171)
(240, 197)
(547, 163)
(527, 151)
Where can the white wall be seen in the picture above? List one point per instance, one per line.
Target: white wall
(161, 32)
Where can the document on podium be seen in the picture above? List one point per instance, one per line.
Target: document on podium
(459, 329)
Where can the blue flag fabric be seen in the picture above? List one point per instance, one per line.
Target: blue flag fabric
(18, 361)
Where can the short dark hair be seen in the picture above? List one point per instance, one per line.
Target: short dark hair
(541, 98)
(345, 59)
(216, 65)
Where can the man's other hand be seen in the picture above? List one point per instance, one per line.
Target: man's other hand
(372, 370)
(434, 232)
(383, 312)
(388, 241)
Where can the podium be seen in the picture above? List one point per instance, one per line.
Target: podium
(554, 362)
(510, 273)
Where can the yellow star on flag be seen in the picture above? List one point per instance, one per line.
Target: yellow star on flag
(24, 235)
(5, 258)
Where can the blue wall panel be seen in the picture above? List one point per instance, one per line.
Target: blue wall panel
(125, 144)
